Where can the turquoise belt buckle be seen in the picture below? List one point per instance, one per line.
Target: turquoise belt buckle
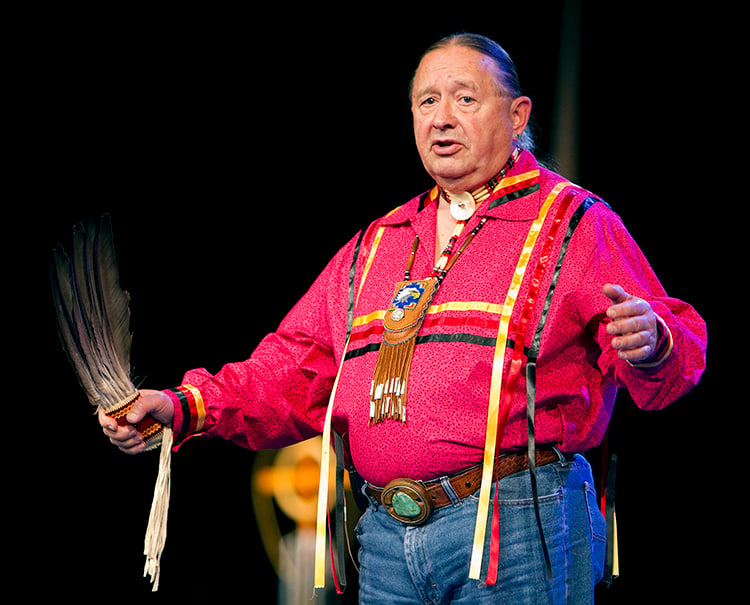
(407, 501)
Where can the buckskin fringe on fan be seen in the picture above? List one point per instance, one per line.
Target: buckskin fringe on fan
(93, 317)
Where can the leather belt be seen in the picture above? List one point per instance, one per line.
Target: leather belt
(412, 502)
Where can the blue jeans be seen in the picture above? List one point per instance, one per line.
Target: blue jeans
(429, 564)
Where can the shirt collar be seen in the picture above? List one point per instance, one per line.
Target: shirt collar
(516, 197)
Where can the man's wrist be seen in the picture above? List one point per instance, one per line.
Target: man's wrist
(189, 411)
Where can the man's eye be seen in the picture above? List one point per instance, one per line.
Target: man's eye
(429, 101)
(466, 99)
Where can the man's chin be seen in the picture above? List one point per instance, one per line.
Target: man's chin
(446, 171)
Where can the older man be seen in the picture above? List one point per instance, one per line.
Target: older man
(492, 317)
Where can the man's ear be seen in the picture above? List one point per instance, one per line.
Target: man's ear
(520, 112)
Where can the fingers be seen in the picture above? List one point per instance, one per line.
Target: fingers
(155, 404)
(632, 345)
(127, 437)
(633, 325)
(141, 407)
(615, 293)
(623, 304)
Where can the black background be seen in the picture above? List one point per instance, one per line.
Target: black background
(236, 152)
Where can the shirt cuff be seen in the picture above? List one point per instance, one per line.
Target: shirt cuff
(189, 411)
(663, 347)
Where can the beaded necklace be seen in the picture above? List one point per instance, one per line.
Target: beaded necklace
(411, 300)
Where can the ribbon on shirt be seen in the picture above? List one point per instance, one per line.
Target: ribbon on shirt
(497, 414)
(319, 577)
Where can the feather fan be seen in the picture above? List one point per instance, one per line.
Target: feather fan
(93, 318)
(93, 314)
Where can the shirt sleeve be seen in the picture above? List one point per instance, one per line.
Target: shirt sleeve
(278, 396)
(610, 255)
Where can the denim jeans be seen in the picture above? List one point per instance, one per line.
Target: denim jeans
(429, 564)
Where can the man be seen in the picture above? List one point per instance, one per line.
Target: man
(495, 315)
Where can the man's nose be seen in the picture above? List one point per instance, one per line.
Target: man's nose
(444, 116)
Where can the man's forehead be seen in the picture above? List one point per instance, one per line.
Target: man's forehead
(461, 67)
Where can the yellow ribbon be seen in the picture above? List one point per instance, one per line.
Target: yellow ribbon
(493, 412)
(325, 462)
(325, 453)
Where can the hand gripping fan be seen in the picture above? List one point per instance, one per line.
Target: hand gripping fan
(93, 318)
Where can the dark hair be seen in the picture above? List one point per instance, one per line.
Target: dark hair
(507, 82)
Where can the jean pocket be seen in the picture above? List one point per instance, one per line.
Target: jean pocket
(598, 528)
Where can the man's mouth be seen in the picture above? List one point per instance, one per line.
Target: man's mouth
(445, 146)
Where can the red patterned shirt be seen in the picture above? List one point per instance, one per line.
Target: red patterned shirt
(279, 395)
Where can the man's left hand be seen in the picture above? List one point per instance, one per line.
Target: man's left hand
(633, 325)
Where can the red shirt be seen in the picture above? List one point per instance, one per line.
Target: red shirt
(279, 395)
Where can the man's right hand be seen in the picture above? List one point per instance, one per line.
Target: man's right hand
(127, 438)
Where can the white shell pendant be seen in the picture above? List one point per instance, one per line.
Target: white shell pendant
(462, 205)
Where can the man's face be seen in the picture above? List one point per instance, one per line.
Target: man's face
(463, 125)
